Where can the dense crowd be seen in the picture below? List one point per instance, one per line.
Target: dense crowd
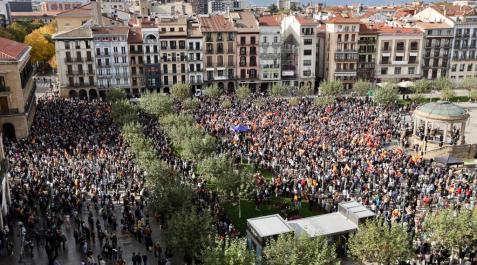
(338, 152)
(74, 172)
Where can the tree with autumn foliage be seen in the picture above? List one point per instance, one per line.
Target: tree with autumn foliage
(40, 40)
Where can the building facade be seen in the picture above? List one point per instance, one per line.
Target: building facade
(247, 47)
(367, 40)
(173, 58)
(270, 51)
(112, 58)
(219, 38)
(17, 89)
(438, 39)
(301, 31)
(399, 52)
(341, 63)
(136, 57)
(195, 56)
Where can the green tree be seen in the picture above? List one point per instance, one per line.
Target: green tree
(236, 185)
(226, 104)
(387, 94)
(473, 94)
(189, 232)
(377, 243)
(190, 104)
(229, 252)
(323, 101)
(156, 104)
(441, 83)
(273, 9)
(212, 92)
(18, 31)
(331, 88)
(288, 249)
(447, 93)
(422, 86)
(198, 147)
(305, 90)
(123, 112)
(243, 92)
(181, 91)
(468, 83)
(362, 87)
(451, 229)
(279, 90)
(166, 199)
(115, 94)
(215, 167)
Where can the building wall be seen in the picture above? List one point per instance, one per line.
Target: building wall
(195, 57)
(270, 54)
(112, 62)
(77, 74)
(247, 58)
(17, 96)
(136, 59)
(152, 66)
(401, 65)
(342, 53)
(464, 52)
(437, 52)
(220, 58)
(66, 23)
(366, 57)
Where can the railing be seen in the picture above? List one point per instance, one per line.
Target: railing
(4, 89)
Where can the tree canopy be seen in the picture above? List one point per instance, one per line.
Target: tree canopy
(279, 90)
(361, 87)
(243, 92)
(386, 94)
(287, 249)
(212, 92)
(331, 88)
(229, 252)
(181, 91)
(156, 104)
(377, 243)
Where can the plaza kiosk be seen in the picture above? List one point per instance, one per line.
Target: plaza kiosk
(336, 226)
(439, 131)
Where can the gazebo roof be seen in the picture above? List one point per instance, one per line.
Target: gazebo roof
(442, 110)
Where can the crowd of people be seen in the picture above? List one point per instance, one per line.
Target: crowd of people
(75, 174)
(343, 151)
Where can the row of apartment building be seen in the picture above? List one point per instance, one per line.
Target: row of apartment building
(241, 47)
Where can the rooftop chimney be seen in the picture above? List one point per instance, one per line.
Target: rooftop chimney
(96, 12)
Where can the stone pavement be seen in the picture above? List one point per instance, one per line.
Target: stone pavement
(72, 254)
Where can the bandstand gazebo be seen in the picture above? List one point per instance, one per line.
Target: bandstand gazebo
(437, 125)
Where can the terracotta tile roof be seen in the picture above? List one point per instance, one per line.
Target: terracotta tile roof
(11, 50)
(78, 33)
(244, 21)
(344, 20)
(397, 30)
(215, 23)
(367, 29)
(82, 11)
(451, 10)
(271, 21)
(113, 30)
(134, 35)
(433, 25)
(305, 21)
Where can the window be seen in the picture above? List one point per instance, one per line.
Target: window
(67, 45)
(219, 37)
(384, 71)
(414, 46)
(307, 63)
(242, 40)
(397, 70)
(264, 39)
(399, 58)
(400, 46)
(307, 52)
(252, 40)
(461, 67)
(308, 41)
(386, 46)
(412, 59)
(209, 61)
(307, 73)
(469, 67)
(243, 61)
(411, 70)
